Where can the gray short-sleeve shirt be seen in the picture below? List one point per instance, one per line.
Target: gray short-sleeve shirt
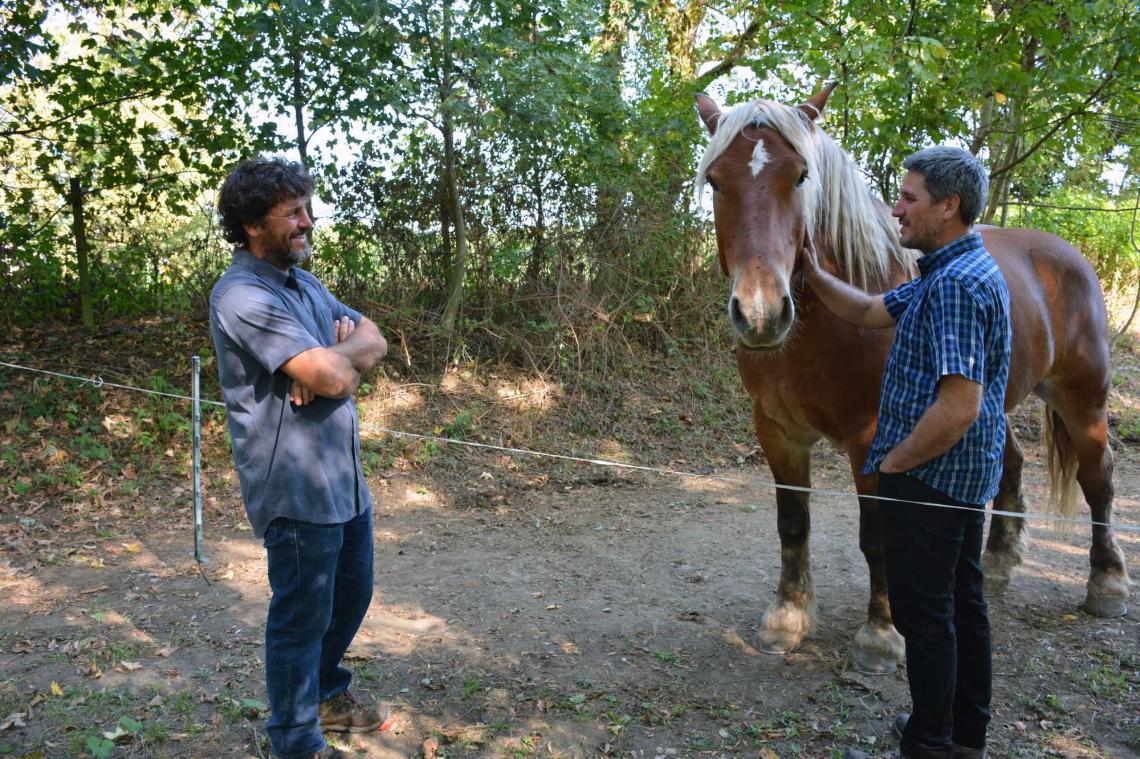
(299, 462)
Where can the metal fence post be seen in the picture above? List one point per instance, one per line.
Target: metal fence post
(197, 465)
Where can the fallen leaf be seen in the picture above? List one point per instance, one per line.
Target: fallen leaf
(132, 547)
(552, 607)
(118, 733)
(92, 670)
(570, 648)
(468, 735)
(128, 666)
(15, 719)
(55, 689)
(166, 651)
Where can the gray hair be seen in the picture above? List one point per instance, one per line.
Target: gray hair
(953, 171)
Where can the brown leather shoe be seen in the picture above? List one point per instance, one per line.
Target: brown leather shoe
(344, 714)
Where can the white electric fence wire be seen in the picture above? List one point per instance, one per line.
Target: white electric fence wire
(1029, 516)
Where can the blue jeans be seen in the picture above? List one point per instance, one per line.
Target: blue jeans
(321, 578)
(934, 582)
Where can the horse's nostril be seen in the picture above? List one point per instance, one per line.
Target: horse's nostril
(734, 311)
(786, 312)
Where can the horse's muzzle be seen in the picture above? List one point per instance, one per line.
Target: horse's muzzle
(759, 328)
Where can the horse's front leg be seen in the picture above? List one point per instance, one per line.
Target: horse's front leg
(878, 647)
(792, 615)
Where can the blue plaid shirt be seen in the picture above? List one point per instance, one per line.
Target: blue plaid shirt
(952, 319)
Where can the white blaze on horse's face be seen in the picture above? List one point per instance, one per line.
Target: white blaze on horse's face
(759, 158)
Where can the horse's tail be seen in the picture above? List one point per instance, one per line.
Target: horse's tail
(1061, 463)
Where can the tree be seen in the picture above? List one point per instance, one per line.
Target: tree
(102, 120)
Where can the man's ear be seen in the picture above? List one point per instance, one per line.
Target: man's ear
(253, 230)
(953, 205)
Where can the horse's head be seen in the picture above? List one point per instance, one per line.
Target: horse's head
(762, 166)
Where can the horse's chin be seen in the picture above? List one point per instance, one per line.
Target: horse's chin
(761, 347)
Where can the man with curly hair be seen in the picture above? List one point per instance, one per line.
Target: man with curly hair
(290, 358)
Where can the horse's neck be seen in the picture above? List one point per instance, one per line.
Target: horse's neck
(876, 284)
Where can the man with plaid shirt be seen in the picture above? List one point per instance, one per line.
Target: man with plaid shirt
(940, 438)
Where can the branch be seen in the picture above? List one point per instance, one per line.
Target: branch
(733, 55)
(69, 116)
(41, 228)
(145, 181)
(1082, 108)
(1031, 204)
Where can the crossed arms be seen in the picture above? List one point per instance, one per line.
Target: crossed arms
(335, 372)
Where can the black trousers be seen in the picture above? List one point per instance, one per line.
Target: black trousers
(934, 582)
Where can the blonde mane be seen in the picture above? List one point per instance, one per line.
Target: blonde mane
(838, 205)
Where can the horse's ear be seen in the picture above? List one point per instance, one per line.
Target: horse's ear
(814, 105)
(709, 111)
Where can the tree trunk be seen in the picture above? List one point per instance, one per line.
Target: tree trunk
(538, 239)
(299, 102)
(299, 118)
(1010, 151)
(459, 264)
(608, 216)
(80, 232)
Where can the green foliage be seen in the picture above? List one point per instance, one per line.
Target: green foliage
(574, 140)
(1105, 237)
(461, 426)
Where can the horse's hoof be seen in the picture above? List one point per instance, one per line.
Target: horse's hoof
(1104, 606)
(871, 662)
(777, 642)
(992, 587)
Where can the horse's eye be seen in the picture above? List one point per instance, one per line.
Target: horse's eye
(802, 179)
(712, 183)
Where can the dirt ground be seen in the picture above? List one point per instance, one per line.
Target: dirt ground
(589, 612)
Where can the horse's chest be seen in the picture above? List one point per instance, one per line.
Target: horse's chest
(778, 393)
(808, 400)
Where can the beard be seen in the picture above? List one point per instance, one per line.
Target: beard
(298, 257)
(288, 254)
(918, 238)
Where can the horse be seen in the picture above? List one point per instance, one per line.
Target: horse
(776, 176)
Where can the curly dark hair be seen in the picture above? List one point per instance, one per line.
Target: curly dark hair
(253, 188)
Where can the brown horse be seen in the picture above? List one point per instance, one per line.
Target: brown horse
(777, 177)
